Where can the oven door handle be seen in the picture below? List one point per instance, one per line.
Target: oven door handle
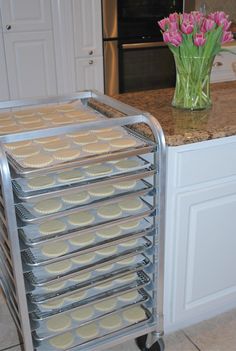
(133, 46)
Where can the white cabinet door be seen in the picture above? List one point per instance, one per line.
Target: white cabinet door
(26, 15)
(30, 64)
(89, 74)
(87, 27)
(4, 92)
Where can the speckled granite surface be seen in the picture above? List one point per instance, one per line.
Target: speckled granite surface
(182, 126)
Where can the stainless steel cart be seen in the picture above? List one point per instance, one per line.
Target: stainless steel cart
(124, 285)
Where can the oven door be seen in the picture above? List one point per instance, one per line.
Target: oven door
(144, 66)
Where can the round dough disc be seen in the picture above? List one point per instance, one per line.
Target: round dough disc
(70, 176)
(10, 130)
(88, 331)
(48, 206)
(127, 261)
(98, 170)
(131, 204)
(130, 225)
(102, 191)
(107, 267)
(126, 185)
(38, 161)
(130, 296)
(123, 143)
(53, 304)
(61, 120)
(109, 233)
(127, 278)
(52, 227)
(54, 287)
(115, 134)
(29, 120)
(104, 130)
(106, 306)
(83, 240)
(96, 148)
(134, 315)
(65, 108)
(24, 113)
(40, 182)
(62, 341)
(55, 249)
(26, 151)
(84, 259)
(47, 140)
(130, 243)
(59, 323)
(85, 139)
(78, 134)
(77, 198)
(81, 277)
(111, 322)
(81, 219)
(75, 114)
(46, 109)
(107, 251)
(125, 165)
(58, 267)
(7, 123)
(86, 118)
(66, 154)
(18, 144)
(76, 297)
(109, 211)
(56, 145)
(51, 116)
(81, 314)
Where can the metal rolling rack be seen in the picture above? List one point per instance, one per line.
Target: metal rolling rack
(21, 267)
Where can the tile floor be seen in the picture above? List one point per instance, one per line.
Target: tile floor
(216, 334)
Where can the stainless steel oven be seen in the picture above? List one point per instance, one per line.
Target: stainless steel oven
(135, 57)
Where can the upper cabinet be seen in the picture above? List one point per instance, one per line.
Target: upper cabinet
(87, 27)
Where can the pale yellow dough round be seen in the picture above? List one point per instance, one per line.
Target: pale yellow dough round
(54, 304)
(104, 286)
(88, 331)
(24, 113)
(105, 268)
(130, 243)
(127, 261)
(48, 206)
(109, 211)
(54, 287)
(62, 341)
(7, 123)
(76, 297)
(59, 323)
(111, 322)
(82, 314)
(109, 233)
(38, 161)
(98, 170)
(65, 108)
(84, 259)
(40, 182)
(52, 227)
(81, 219)
(30, 120)
(51, 116)
(77, 198)
(131, 204)
(96, 148)
(32, 126)
(102, 191)
(10, 130)
(130, 296)
(46, 109)
(55, 249)
(18, 144)
(83, 240)
(130, 225)
(75, 114)
(58, 267)
(115, 134)
(123, 143)
(81, 277)
(66, 154)
(86, 118)
(26, 151)
(78, 134)
(85, 139)
(56, 145)
(61, 120)
(103, 130)
(107, 251)
(127, 278)
(47, 140)
(106, 306)
(128, 185)
(70, 176)
(126, 165)
(5, 115)
(134, 315)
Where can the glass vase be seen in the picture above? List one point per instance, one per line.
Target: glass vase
(192, 90)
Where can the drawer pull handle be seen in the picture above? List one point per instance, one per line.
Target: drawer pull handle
(91, 52)
(8, 27)
(217, 64)
(91, 62)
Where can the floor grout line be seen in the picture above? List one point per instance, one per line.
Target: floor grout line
(10, 347)
(192, 342)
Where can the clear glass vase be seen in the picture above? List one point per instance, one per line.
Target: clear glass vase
(192, 90)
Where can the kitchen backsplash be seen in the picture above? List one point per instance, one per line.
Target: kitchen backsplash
(229, 6)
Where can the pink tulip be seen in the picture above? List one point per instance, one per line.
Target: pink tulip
(187, 27)
(199, 39)
(197, 16)
(174, 38)
(174, 17)
(225, 24)
(207, 25)
(164, 23)
(173, 26)
(227, 37)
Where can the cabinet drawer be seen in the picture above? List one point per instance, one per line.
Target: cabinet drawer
(224, 67)
(89, 74)
(206, 164)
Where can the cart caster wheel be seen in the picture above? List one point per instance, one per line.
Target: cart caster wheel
(158, 346)
(141, 342)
